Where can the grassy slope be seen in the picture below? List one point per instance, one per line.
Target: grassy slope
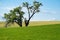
(46, 32)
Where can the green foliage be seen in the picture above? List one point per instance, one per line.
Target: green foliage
(17, 9)
(25, 4)
(36, 5)
(16, 14)
(31, 9)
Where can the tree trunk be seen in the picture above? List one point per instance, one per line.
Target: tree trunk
(6, 25)
(26, 23)
(19, 23)
(7, 22)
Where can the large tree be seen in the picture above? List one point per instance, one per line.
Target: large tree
(31, 9)
(15, 15)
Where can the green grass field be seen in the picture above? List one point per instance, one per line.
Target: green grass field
(42, 32)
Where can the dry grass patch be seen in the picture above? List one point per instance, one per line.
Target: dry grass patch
(32, 23)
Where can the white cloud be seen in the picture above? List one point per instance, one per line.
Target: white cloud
(1, 15)
(24, 9)
(51, 19)
(48, 11)
(7, 8)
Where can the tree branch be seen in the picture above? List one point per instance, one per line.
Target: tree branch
(28, 12)
(32, 15)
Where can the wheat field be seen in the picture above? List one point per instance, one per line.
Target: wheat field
(32, 23)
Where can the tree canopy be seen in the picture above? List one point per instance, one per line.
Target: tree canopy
(17, 15)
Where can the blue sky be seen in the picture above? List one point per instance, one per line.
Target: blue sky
(50, 11)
